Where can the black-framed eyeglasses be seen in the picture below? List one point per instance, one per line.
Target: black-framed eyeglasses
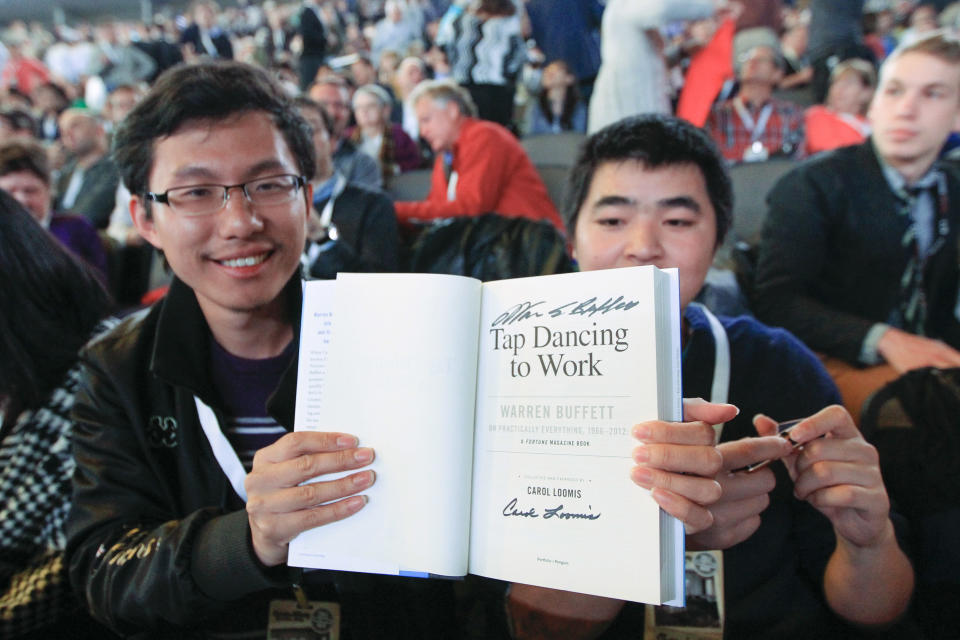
(204, 199)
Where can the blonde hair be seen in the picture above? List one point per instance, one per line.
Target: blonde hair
(864, 70)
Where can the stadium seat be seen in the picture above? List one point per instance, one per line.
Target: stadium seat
(410, 186)
(554, 148)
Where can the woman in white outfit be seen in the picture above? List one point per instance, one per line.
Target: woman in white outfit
(633, 74)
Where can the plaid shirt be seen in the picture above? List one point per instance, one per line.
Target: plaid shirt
(783, 134)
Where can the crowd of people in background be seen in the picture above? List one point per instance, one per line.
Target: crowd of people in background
(429, 110)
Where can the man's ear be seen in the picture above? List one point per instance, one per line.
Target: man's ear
(453, 110)
(143, 221)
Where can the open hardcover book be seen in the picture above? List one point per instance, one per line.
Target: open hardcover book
(500, 414)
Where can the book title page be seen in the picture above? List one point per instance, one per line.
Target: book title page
(568, 364)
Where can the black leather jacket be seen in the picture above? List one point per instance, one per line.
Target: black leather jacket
(158, 543)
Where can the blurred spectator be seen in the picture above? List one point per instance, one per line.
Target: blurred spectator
(486, 52)
(49, 101)
(438, 62)
(411, 72)
(858, 256)
(761, 13)
(479, 167)
(273, 36)
(58, 303)
(836, 34)
(288, 77)
(710, 70)
(71, 57)
(878, 33)
(558, 106)
(633, 76)
(120, 101)
(203, 37)
(120, 228)
(357, 167)
(88, 182)
(363, 72)
(397, 31)
(25, 175)
(796, 64)
(13, 98)
(16, 123)
(158, 43)
(120, 62)
(387, 69)
(923, 20)
(313, 39)
(361, 220)
(841, 121)
(569, 30)
(375, 135)
(753, 125)
(22, 71)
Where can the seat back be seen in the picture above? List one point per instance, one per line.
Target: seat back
(555, 180)
(752, 181)
(554, 148)
(410, 186)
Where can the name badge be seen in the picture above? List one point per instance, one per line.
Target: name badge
(702, 618)
(756, 152)
(308, 621)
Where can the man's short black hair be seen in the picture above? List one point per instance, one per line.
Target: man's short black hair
(208, 91)
(656, 141)
(306, 103)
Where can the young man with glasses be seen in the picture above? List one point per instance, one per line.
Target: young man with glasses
(187, 489)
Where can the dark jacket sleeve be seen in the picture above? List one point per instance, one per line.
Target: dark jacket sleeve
(136, 560)
(379, 237)
(367, 223)
(795, 269)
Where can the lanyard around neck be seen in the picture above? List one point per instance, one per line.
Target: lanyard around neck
(223, 451)
(326, 215)
(720, 388)
(756, 128)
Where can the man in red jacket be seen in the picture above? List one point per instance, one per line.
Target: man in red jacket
(479, 168)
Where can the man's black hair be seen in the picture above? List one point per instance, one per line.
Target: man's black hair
(208, 91)
(656, 141)
(303, 102)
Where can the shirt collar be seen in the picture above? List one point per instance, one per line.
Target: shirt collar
(324, 190)
(896, 181)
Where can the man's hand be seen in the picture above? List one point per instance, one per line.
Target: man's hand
(868, 579)
(744, 496)
(905, 351)
(839, 474)
(678, 461)
(279, 508)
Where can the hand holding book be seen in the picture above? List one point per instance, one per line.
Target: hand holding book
(279, 506)
(678, 461)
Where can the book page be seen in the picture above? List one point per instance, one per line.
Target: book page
(568, 364)
(316, 322)
(401, 377)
